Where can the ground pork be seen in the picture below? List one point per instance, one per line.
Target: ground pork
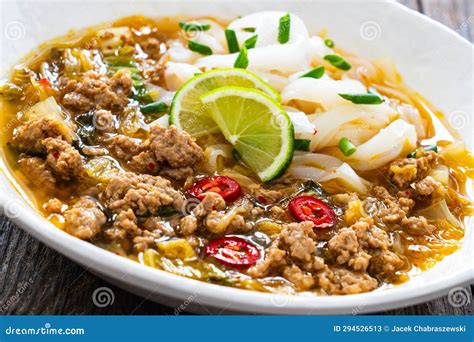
(337, 280)
(293, 245)
(174, 146)
(39, 173)
(188, 225)
(124, 147)
(29, 136)
(178, 174)
(299, 240)
(145, 162)
(417, 225)
(275, 258)
(62, 158)
(427, 186)
(393, 209)
(403, 172)
(152, 47)
(211, 202)
(53, 206)
(303, 281)
(84, 219)
(144, 194)
(95, 91)
(357, 245)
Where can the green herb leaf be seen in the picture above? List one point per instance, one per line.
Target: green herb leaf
(329, 43)
(284, 29)
(251, 42)
(249, 29)
(154, 108)
(369, 98)
(315, 73)
(346, 147)
(199, 48)
(193, 26)
(338, 62)
(302, 144)
(232, 42)
(242, 60)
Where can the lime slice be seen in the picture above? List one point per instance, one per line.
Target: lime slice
(187, 111)
(256, 125)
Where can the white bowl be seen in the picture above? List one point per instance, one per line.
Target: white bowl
(433, 59)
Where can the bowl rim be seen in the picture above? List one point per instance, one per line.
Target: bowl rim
(157, 282)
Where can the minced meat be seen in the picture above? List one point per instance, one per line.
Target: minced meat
(84, 219)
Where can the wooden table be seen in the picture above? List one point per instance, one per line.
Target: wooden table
(34, 279)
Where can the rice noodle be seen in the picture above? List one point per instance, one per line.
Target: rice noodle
(323, 168)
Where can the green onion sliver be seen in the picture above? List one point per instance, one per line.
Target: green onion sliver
(414, 154)
(249, 29)
(199, 48)
(193, 26)
(346, 147)
(232, 42)
(317, 72)
(154, 108)
(242, 60)
(368, 99)
(329, 43)
(302, 144)
(338, 62)
(251, 42)
(284, 29)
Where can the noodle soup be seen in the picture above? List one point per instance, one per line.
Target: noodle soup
(256, 156)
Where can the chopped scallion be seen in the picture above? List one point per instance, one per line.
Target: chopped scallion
(199, 48)
(193, 26)
(232, 42)
(346, 147)
(329, 43)
(315, 73)
(368, 99)
(284, 29)
(154, 108)
(242, 60)
(249, 29)
(414, 154)
(251, 42)
(338, 62)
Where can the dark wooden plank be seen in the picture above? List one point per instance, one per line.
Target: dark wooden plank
(36, 280)
(456, 14)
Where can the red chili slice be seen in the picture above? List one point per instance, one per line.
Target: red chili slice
(233, 251)
(227, 187)
(309, 208)
(45, 82)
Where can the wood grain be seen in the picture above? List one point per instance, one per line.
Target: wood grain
(34, 279)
